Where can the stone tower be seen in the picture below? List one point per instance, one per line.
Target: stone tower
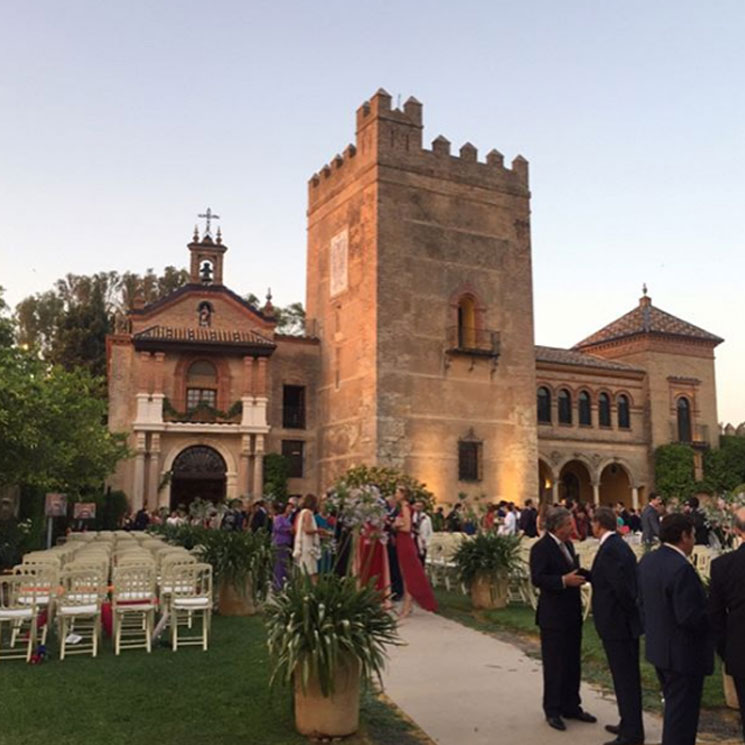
(420, 289)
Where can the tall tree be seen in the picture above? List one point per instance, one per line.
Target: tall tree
(52, 425)
(68, 325)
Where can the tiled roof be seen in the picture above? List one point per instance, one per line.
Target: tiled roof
(570, 357)
(646, 319)
(201, 334)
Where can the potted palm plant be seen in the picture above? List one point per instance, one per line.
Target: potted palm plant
(325, 639)
(484, 565)
(242, 564)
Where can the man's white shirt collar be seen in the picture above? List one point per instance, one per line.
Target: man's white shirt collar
(675, 548)
(558, 541)
(605, 537)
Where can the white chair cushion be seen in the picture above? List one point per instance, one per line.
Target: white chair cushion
(132, 607)
(12, 613)
(77, 610)
(191, 603)
(81, 597)
(29, 599)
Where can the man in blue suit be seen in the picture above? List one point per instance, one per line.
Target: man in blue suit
(616, 616)
(678, 638)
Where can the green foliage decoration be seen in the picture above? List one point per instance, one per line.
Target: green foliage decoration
(387, 479)
(487, 553)
(673, 471)
(276, 473)
(314, 628)
(201, 412)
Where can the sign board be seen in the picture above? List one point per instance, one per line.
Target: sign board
(55, 505)
(338, 258)
(84, 510)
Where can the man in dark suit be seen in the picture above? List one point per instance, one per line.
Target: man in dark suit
(528, 522)
(618, 624)
(673, 605)
(554, 570)
(651, 520)
(727, 610)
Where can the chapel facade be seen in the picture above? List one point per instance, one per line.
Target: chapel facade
(419, 351)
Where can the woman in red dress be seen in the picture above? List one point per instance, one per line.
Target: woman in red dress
(416, 585)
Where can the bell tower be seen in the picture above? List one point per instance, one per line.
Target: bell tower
(207, 254)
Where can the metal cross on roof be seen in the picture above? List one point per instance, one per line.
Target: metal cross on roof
(209, 216)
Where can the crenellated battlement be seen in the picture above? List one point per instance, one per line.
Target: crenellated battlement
(388, 136)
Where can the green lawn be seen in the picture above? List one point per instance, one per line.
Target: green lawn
(519, 618)
(188, 697)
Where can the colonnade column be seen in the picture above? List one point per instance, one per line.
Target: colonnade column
(635, 497)
(258, 490)
(555, 492)
(596, 494)
(138, 491)
(154, 474)
(244, 476)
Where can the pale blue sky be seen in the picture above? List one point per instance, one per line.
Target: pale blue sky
(121, 121)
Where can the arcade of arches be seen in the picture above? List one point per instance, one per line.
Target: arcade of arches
(579, 481)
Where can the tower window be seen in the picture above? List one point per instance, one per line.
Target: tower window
(294, 451)
(293, 407)
(544, 405)
(604, 410)
(467, 323)
(469, 460)
(624, 414)
(585, 409)
(565, 406)
(684, 420)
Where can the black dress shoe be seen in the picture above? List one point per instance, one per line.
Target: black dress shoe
(556, 723)
(625, 741)
(581, 716)
(614, 729)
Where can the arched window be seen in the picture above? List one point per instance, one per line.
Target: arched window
(624, 415)
(201, 385)
(604, 410)
(684, 420)
(544, 405)
(565, 406)
(466, 323)
(585, 410)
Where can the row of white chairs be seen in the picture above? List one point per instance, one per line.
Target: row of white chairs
(71, 582)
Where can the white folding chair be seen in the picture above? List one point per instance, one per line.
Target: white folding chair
(191, 594)
(79, 610)
(133, 607)
(16, 610)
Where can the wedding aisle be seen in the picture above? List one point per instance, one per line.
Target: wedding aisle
(463, 687)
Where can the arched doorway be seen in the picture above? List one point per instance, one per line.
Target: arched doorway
(545, 482)
(615, 486)
(198, 471)
(575, 482)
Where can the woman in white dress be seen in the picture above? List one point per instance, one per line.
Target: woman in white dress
(307, 549)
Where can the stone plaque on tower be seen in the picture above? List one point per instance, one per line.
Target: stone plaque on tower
(338, 263)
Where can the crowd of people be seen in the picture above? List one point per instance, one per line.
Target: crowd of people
(661, 598)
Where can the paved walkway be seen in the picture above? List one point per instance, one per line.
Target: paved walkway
(463, 687)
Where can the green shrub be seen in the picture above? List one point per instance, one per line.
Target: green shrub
(276, 473)
(673, 471)
(488, 553)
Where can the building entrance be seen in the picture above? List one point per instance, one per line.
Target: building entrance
(198, 472)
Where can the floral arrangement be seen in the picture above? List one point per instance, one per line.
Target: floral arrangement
(358, 507)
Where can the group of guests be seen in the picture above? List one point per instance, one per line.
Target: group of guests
(662, 598)
(307, 536)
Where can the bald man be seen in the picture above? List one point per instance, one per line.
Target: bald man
(727, 609)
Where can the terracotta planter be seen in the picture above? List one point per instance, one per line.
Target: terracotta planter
(489, 592)
(235, 601)
(730, 692)
(337, 715)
